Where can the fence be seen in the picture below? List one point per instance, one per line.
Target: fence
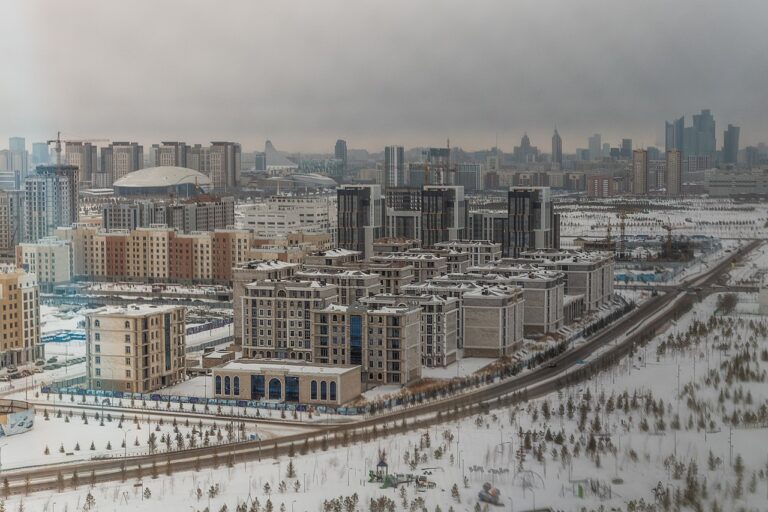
(452, 387)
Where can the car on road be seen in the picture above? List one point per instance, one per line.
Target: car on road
(52, 360)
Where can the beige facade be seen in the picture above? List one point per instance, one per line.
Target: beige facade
(439, 324)
(249, 272)
(137, 349)
(50, 259)
(353, 284)
(287, 381)
(493, 321)
(20, 321)
(481, 252)
(277, 317)
(385, 341)
(425, 265)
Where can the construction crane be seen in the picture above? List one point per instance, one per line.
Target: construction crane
(58, 140)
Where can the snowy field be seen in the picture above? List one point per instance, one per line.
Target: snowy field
(627, 440)
(753, 270)
(721, 218)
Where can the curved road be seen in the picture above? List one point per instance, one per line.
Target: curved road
(538, 382)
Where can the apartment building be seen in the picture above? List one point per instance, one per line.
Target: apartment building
(50, 259)
(253, 271)
(20, 324)
(587, 273)
(138, 349)
(353, 284)
(385, 341)
(156, 254)
(480, 252)
(439, 324)
(425, 265)
(493, 321)
(277, 316)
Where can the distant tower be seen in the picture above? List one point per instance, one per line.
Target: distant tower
(674, 172)
(557, 149)
(595, 147)
(640, 172)
(394, 166)
(673, 134)
(626, 148)
(340, 153)
(731, 144)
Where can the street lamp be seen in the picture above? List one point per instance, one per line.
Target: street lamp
(125, 442)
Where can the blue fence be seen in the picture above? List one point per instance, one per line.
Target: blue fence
(64, 336)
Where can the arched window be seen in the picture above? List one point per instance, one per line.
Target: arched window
(323, 391)
(313, 390)
(227, 389)
(333, 391)
(127, 324)
(237, 386)
(96, 323)
(275, 389)
(218, 384)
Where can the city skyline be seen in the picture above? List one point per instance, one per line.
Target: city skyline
(609, 83)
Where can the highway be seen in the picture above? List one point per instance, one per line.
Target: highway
(563, 370)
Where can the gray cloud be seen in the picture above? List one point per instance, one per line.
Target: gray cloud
(305, 72)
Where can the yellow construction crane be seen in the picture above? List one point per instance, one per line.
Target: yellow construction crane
(58, 140)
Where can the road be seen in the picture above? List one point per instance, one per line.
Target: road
(541, 381)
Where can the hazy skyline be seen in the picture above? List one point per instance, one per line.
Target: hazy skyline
(305, 73)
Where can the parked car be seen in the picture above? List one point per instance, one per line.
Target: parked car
(11, 368)
(5, 378)
(40, 362)
(15, 375)
(53, 359)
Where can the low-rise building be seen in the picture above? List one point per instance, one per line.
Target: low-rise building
(493, 321)
(439, 324)
(277, 317)
(353, 285)
(138, 349)
(587, 273)
(249, 272)
(20, 323)
(50, 259)
(385, 341)
(481, 252)
(287, 381)
(425, 265)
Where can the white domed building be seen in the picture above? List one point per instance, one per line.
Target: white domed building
(163, 181)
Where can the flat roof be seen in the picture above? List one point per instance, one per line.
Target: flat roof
(278, 365)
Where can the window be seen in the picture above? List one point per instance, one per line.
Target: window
(98, 359)
(97, 348)
(127, 350)
(127, 324)
(236, 383)
(96, 323)
(291, 389)
(127, 338)
(227, 383)
(97, 336)
(98, 372)
(218, 384)
(313, 390)
(275, 389)
(323, 391)
(333, 391)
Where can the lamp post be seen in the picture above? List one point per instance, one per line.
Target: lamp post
(125, 441)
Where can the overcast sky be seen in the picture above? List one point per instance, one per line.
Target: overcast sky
(304, 73)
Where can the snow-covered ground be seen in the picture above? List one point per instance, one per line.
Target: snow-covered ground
(693, 216)
(461, 368)
(618, 439)
(753, 270)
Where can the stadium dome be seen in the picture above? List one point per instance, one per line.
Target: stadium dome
(163, 181)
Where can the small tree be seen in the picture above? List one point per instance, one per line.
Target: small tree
(291, 471)
(455, 493)
(147, 493)
(267, 489)
(90, 501)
